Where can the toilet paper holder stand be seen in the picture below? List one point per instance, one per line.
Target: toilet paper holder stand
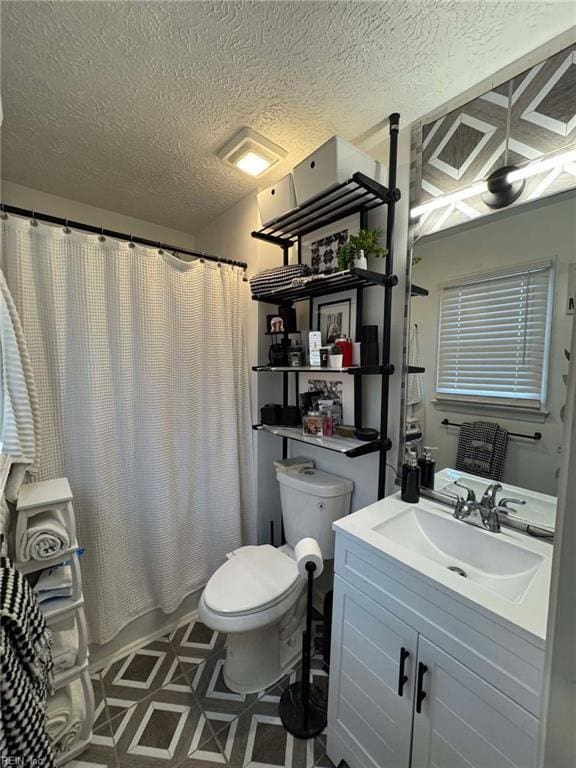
(303, 707)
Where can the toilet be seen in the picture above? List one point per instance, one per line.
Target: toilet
(257, 596)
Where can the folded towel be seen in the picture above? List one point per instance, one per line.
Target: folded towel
(65, 716)
(54, 583)
(45, 537)
(271, 280)
(482, 449)
(65, 648)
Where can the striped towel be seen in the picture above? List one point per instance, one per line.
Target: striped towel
(271, 280)
(19, 411)
(482, 449)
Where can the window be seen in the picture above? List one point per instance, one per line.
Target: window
(494, 335)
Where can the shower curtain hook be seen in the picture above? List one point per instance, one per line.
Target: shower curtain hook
(160, 251)
(3, 213)
(101, 237)
(33, 222)
(131, 244)
(67, 229)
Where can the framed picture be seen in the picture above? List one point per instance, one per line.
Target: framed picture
(335, 316)
(319, 249)
(274, 324)
(335, 386)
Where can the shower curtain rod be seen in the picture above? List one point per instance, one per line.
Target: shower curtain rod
(116, 235)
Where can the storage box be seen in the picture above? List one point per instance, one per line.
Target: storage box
(276, 200)
(331, 164)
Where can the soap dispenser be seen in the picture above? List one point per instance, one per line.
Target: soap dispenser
(427, 468)
(410, 478)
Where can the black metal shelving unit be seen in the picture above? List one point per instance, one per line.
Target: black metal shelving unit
(359, 194)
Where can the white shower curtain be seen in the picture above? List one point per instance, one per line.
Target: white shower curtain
(142, 377)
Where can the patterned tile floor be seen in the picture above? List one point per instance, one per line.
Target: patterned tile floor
(166, 704)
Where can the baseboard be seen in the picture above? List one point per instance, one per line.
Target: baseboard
(138, 634)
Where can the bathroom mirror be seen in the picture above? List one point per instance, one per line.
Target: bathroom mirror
(488, 352)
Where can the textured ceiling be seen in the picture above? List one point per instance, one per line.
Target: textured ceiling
(123, 105)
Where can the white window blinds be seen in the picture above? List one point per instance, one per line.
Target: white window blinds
(494, 338)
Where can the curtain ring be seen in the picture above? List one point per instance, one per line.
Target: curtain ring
(160, 251)
(33, 222)
(67, 229)
(131, 244)
(101, 237)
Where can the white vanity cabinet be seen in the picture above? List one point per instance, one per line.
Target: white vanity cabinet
(419, 679)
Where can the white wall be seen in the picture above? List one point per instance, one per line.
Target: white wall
(546, 230)
(230, 235)
(43, 202)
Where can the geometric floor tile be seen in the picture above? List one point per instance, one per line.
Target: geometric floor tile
(167, 704)
(195, 639)
(141, 672)
(160, 730)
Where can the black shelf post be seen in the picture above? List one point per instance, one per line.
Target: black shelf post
(386, 330)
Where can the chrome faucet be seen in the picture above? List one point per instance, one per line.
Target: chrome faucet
(486, 512)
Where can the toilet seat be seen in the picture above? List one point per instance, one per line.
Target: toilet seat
(253, 579)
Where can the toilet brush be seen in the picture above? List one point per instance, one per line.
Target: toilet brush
(303, 706)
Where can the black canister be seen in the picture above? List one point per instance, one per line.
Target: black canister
(369, 352)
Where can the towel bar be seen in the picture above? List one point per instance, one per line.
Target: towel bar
(535, 436)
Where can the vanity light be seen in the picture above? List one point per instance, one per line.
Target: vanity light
(251, 152)
(501, 188)
(444, 200)
(533, 169)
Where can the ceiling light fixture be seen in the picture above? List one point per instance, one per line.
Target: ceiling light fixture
(251, 153)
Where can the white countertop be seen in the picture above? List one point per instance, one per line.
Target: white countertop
(528, 614)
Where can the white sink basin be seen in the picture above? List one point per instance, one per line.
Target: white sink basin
(486, 559)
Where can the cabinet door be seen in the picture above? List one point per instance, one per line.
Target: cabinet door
(370, 706)
(464, 722)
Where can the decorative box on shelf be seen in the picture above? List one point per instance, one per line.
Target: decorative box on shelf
(331, 164)
(277, 200)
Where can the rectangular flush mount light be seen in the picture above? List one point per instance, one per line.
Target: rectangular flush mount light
(251, 152)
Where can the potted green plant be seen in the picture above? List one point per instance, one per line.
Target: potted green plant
(364, 243)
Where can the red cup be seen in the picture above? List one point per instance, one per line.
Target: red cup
(345, 347)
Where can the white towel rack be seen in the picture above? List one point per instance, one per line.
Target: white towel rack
(33, 499)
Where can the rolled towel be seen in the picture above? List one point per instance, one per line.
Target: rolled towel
(65, 716)
(77, 718)
(65, 648)
(58, 713)
(45, 537)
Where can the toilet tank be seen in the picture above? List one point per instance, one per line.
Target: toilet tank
(311, 501)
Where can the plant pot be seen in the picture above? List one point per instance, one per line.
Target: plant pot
(335, 361)
(360, 261)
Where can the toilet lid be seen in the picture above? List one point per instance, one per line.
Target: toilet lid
(252, 579)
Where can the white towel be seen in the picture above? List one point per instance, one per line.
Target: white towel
(415, 387)
(54, 582)
(45, 537)
(65, 716)
(65, 648)
(19, 412)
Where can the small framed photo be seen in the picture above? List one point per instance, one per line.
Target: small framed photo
(319, 249)
(334, 387)
(274, 324)
(335, 316)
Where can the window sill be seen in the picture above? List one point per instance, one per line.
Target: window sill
(486, 409)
